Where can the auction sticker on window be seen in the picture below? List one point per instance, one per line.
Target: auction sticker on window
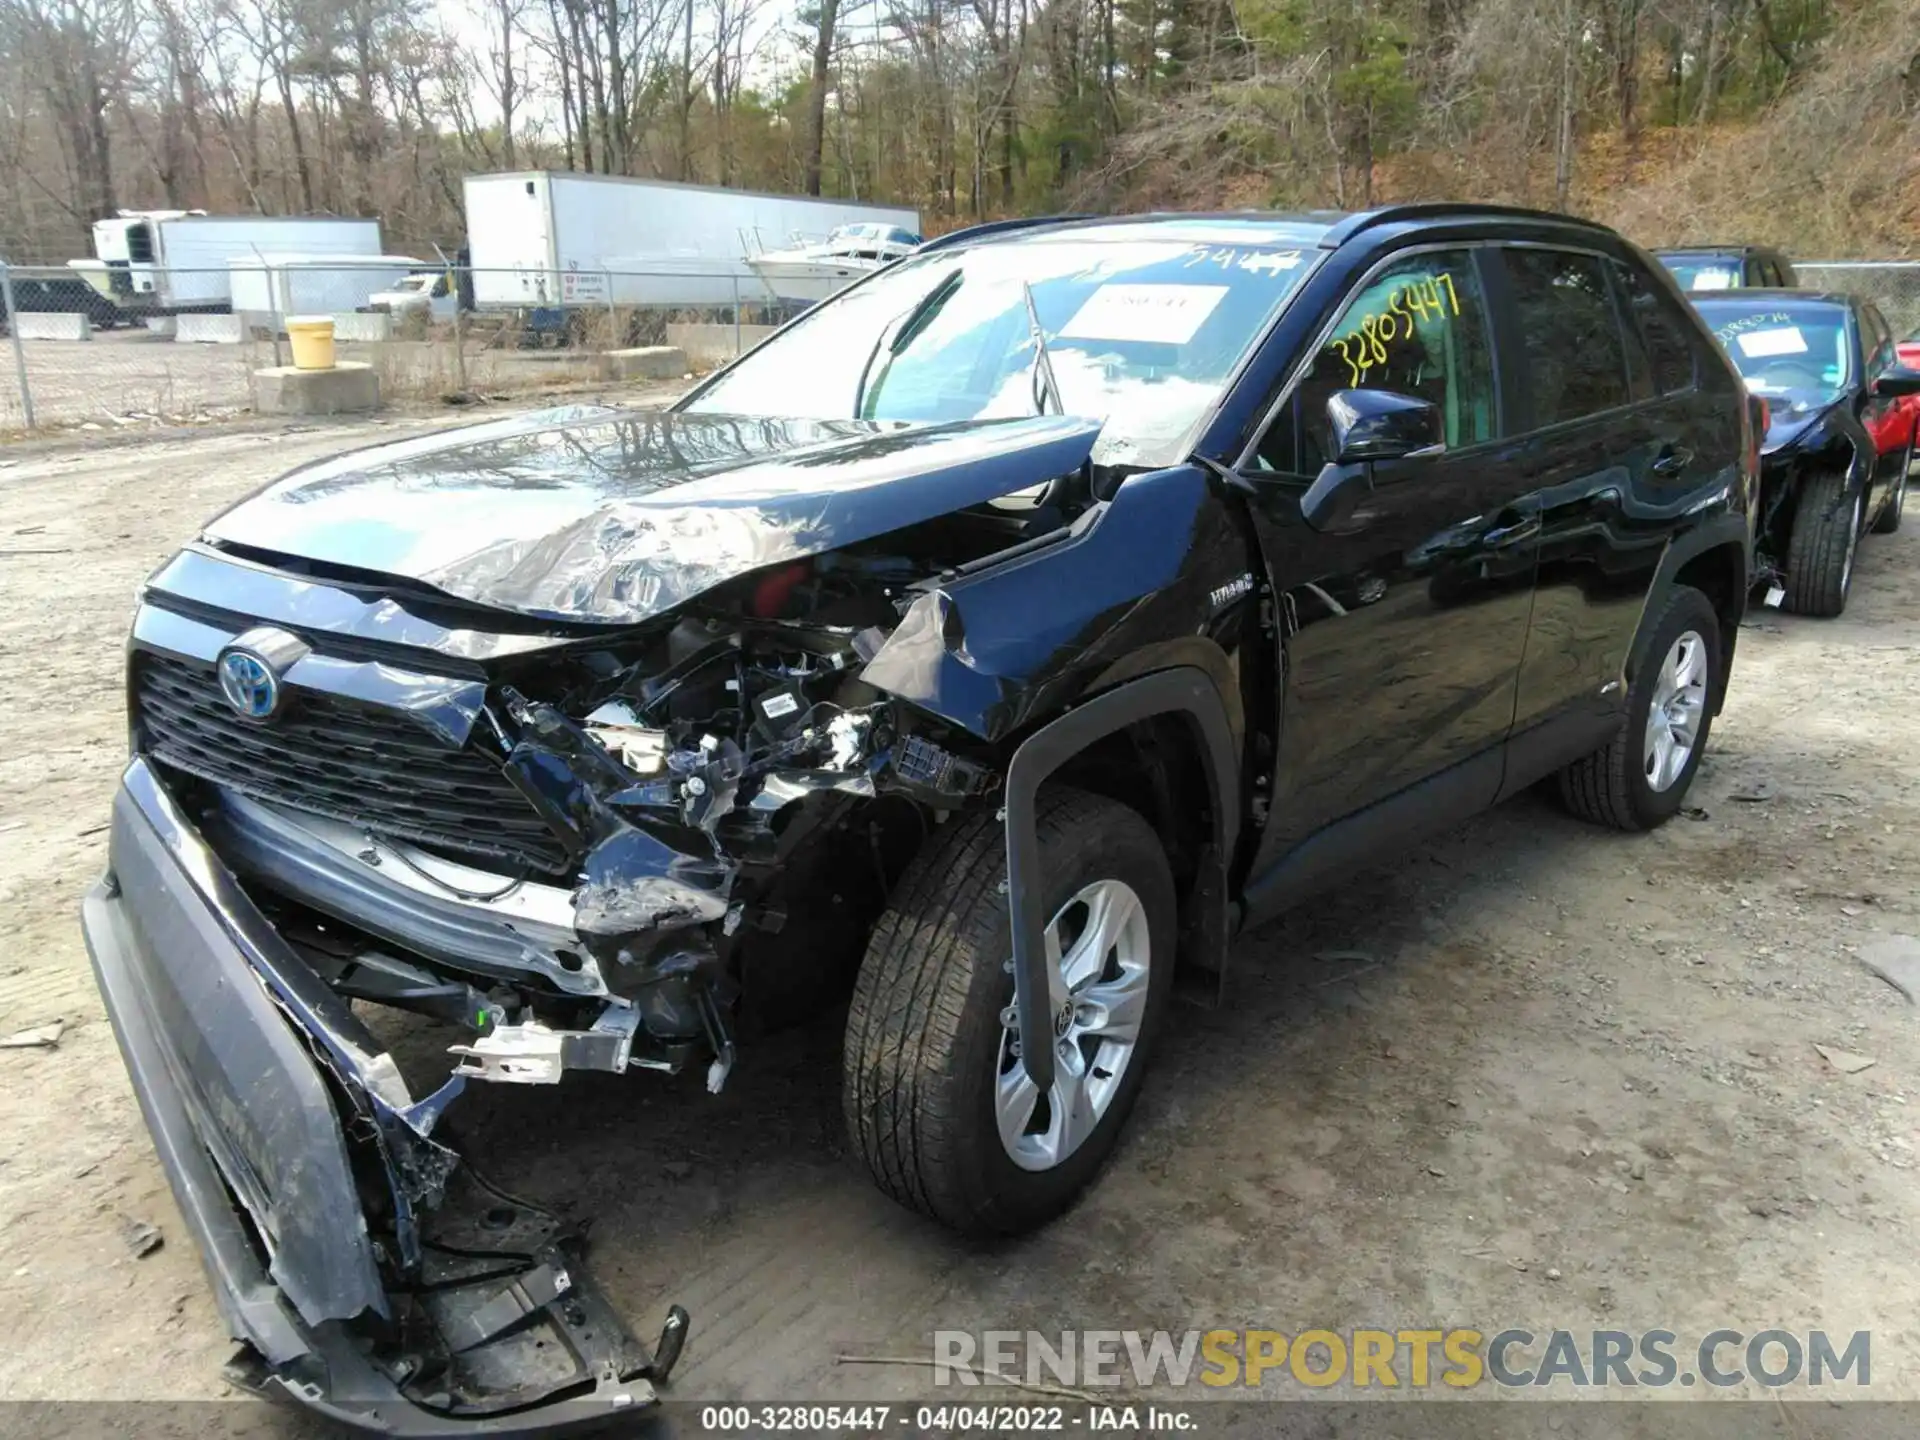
(1759, 344)
(1158, 314)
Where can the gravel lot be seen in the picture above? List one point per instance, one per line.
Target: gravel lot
(1572, 1081)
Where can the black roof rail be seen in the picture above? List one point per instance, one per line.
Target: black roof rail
(996, 227)
(1344, 230)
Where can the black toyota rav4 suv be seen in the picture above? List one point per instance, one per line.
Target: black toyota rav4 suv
(994, 643)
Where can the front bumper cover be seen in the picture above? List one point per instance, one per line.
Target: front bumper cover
(348, 1251)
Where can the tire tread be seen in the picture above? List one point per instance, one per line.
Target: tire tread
(901, 1097)
(1817, 548)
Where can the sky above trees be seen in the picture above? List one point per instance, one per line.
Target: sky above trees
(963, 108)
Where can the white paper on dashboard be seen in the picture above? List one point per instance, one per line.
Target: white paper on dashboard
(1758, 344)
(1159, 314)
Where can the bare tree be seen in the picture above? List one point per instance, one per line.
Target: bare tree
(74, 58)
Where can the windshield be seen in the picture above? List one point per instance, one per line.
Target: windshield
(1704, 272)
(1796, 355)
(1142, 334)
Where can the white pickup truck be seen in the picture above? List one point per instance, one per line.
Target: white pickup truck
(425, 292)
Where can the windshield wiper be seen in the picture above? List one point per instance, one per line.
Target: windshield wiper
(1040, 381)
(903, 332)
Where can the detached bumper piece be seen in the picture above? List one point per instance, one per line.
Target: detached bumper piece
(367, 1272)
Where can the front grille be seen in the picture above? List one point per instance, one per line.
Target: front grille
(333, 756)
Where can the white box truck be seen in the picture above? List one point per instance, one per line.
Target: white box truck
(559, 238)
(165, 262)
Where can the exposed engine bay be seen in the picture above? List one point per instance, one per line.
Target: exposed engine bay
(732, 801)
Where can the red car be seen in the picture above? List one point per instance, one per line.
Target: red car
(1909, 350)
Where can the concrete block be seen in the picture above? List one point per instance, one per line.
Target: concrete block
(162, 326)
(367, 327)
(209, 329)
(349, 387)
(649, 362)
(53, 325)
(711, 344)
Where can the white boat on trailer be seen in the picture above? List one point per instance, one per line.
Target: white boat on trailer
(811, 272)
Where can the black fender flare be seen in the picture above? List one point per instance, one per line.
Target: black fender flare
(1727, 530)
(1184, 690)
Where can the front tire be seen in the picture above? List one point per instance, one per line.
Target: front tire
(1826, 536)
(1888, 520)
(936, 1101)
(1640, 777)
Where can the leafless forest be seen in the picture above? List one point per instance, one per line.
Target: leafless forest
(1788, 120)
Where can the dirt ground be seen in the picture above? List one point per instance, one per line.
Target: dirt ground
(1571, 1080)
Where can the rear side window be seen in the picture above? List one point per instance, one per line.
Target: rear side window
(1664, 330)
(1573, 354)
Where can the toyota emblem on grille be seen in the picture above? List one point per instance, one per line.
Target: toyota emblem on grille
(250, 687)
(250, 670)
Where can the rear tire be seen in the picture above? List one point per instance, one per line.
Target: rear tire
(1634, 782)
(1826, 536)
(925, 1075)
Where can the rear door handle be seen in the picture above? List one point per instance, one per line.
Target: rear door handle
(1672, 460)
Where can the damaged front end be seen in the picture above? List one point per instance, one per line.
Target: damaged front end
(366, 1270)
(607, 842)
(663, 817)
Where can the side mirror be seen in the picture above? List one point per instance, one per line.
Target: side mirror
(1335, 494)
(1895, 382)
(1370, 425)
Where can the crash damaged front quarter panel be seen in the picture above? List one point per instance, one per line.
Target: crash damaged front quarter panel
(993, 649)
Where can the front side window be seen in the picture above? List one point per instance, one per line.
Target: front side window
(1142, 333)
(1880, 341)
(1573, 353)
(1419, 328)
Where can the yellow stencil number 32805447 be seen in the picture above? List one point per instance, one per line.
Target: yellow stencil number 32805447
(1429, 301)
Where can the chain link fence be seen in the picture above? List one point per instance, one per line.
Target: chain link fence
(1893, 285)
(137, 345)
(142, 345)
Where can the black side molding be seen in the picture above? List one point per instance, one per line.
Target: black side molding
(1183, 690)
(1370, 836)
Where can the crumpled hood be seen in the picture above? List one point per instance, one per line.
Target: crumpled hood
(593, 513)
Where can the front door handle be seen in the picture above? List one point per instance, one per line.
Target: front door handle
(1521, 526)
(1672, 460)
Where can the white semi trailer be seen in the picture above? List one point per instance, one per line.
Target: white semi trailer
(165, 262)
(559, 238)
